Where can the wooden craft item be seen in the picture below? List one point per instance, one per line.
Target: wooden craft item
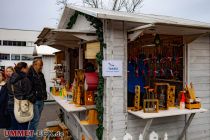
(137, 99)
(148, 109)
(79, 91)
(190, 92)
(193, 105)
(191, 102)
(78, 96)
(171, 96)
(75, 86)
(162, 95)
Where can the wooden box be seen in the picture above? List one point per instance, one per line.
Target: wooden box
(193, 105)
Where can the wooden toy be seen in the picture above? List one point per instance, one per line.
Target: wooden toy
(137, 99)
(171, 96)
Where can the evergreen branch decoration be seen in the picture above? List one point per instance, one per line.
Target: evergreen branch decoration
(98, 25)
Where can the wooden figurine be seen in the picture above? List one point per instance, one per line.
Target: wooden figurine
(171, 96)
(137, 99)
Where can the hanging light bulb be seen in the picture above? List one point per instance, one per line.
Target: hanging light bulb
(35, 52)
(157, 40)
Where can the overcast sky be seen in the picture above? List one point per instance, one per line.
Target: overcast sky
(36, 14)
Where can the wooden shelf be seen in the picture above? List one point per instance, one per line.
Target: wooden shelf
(167, 80)
(166, 113)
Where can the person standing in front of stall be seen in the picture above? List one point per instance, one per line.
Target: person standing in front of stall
(4, 116)
(9, 71)
(39, 91)
(19, 87)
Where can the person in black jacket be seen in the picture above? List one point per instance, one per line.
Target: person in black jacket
(39, 91)
(4, 116)
(22, 91)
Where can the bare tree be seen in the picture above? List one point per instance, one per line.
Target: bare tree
(93, 3)
(131, 5)
(118, 5)
(115, 5)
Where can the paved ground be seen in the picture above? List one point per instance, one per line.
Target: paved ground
(48, 114)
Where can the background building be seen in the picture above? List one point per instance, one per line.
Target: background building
(18, 45)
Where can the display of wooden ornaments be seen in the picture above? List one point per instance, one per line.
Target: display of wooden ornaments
(163, 97)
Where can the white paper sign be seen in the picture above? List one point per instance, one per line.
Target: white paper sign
(112, 68)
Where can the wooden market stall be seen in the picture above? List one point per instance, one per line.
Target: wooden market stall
(154, 51)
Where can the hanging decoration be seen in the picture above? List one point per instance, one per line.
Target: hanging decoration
(157, 40)
(98, 25)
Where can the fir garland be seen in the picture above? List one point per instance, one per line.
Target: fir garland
(98, 25)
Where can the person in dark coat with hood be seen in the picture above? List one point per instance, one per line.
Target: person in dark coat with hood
(4, 115)
(22, 91)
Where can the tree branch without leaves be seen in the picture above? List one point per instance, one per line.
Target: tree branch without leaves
(132, 5)
(93, 3)
(115, 5)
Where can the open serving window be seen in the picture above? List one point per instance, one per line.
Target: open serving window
(157, 65)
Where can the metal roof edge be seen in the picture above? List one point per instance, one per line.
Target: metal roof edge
(184, 25)
(134, 17)
(73, 31)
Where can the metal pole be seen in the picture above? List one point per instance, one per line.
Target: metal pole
(146, 128)
(186, 126)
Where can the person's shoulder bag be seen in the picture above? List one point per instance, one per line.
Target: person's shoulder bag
(23, 109)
